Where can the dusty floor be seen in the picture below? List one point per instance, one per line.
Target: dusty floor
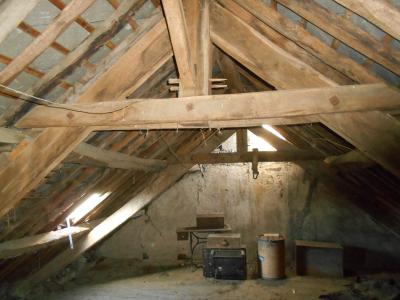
(187, 283)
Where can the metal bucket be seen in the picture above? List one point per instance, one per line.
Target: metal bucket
(271, 253)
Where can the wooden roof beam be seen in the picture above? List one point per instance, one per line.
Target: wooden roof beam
(345, 31)
(306, 40)
(263, 156)
(382, 13)
(284, 71)
(34, 72)
(96, 39)
(159, 184)
(105, 158)
(33, 243)
(40, 44)
(208, 110)
(180, 41)
(352, 158)
(118, 160)
(34, 160)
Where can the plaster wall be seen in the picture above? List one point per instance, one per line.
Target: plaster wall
(284, 199)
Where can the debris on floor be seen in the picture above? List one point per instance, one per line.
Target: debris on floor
(384, 287)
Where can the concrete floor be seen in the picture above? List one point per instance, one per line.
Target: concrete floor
(187, 283)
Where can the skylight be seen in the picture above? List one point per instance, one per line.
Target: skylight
(273, 131)
(87, 206)
(257, 142)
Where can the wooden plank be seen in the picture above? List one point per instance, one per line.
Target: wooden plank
(178, 33)
(255, 59)
(306, 40)
(40, 44)
(154, 189)
(263, 156)
(118, 160)
(241, 140)
(12, 13)
(345, 31)
(204, 52)
(198, 110)
(380, 13)
(37, 158)
(33, 243)
(314, 244)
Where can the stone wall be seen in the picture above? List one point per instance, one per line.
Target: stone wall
(284, 199)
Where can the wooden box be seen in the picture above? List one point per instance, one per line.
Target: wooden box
(224, 240)
(319, 259)
(210, 221)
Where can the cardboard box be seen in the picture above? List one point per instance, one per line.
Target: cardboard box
(210, 221)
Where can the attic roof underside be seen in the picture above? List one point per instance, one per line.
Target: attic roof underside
(345, 48)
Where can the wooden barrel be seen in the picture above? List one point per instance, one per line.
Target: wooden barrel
(271, 253)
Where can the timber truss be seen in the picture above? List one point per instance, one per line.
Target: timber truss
(235, 65)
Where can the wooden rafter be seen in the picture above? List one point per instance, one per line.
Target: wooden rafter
(381, 13)
(40, 44)
(119, 160)
(158, 185)
(263, 156)
(37, 158)
(35, 34)
(34, 72)
(261, 59)
(101, 157)
(306, 40)
(102, 34)
(31, 244)
(179, 35)
(345, 31)
(212, 111)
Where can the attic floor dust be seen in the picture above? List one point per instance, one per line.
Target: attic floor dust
(188, 283)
